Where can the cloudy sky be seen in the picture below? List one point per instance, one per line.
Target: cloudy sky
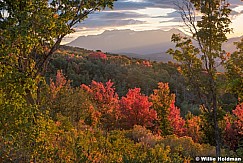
(142, 15)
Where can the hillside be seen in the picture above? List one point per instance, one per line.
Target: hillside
(126, 73)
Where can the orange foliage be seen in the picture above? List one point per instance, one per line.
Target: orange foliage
(55, 16)
(193, 129)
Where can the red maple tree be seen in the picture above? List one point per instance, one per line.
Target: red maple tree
(234, 127)
(136, 110)
(177, 122)
(106, 100)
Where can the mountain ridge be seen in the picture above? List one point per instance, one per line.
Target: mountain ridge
(137, 44)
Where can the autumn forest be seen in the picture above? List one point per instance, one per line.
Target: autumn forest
(69, 104)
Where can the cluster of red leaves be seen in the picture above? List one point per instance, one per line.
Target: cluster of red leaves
(133, 109)
(98, 55)
(103, 94)
(59, 83)
(147, 64)
(177, 122)
(136, 109)
(234, 127)
(106, 100)
(238, 112)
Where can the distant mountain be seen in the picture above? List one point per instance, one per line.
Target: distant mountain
(229, 45)
(139, 44)
(150, 45)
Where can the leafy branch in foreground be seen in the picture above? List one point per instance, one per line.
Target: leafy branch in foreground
(31, 30)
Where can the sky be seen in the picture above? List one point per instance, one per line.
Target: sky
(140, 15)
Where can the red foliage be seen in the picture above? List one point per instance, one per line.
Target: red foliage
(147, 64)
(72, 56)
(98, 55)
(238, 113)
(59, 83)
(106, 99)
(230, 136)
(177, 122)
(234, 127)
(136, 110)
(103, 94)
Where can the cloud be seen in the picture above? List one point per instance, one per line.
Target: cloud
(126, 5)
(121, 15)
(129, 12)
(173, 14)
(112, 18)
(108, 23)
(235, 3)
(163, 3)
(141, 4)
(136, 4)
(134, 14)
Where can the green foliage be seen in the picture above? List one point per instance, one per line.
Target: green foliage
(239, 151)
(199, 63)
(143, 135)
(191, 66)
(207, 125)
(186, 148)
(162, 99)
(24, 128)
(31, 30)
(234, 72)
(125, 73)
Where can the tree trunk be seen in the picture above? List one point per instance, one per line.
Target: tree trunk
(216, 127)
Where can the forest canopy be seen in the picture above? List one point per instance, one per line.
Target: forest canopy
(64, 104)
